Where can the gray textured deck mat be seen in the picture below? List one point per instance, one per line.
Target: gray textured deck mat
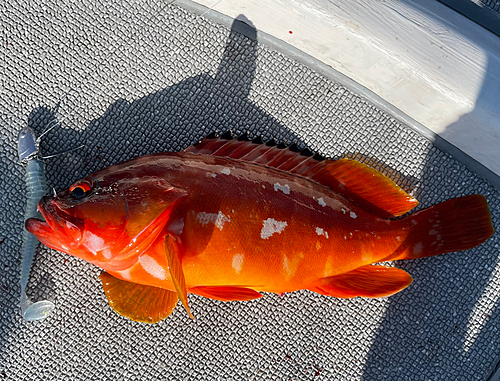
(135, 79)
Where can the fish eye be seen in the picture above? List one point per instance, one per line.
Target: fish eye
(80, 189)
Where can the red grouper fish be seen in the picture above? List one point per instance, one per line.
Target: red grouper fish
(226, 219)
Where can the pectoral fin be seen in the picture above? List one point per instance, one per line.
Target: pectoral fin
(146, 304)
(173, 253)
(367, 281)
(226, 293)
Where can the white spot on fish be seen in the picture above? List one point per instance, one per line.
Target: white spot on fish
(417, 248)
(329, 266)
(213, 175)
(226, 171)
(284, 188)
(221, 220)
(320, 231)
(204, 218)
(93, 242)
(238, 262)
(321, 201)
(152, 267)
(107, 253)
(218, 219)
(290, 265)
(353, 215)
(286, 265)
(263, 186)
(343, 210)
(271, 226)
(398, 238)
(366, 256)
(125, 274)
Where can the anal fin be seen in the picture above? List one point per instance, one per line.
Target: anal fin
(138, 302)
(368, 281)
(226, 293)
(173, 253)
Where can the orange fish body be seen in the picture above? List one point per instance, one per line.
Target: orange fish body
(248, 225)
(227, 219)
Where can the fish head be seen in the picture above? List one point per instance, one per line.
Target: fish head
(108, 220)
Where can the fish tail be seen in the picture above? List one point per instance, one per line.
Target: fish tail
(454, 225)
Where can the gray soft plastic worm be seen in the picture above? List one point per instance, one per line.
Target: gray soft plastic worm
(36, 187)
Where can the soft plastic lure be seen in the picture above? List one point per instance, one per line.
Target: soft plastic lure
(36, 187)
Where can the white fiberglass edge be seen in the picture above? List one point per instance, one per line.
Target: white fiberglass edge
(433, 64)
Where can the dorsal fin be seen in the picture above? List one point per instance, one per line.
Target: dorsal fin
(363, 186)
(355, 181)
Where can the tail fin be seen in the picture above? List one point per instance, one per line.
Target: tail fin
(454, 225)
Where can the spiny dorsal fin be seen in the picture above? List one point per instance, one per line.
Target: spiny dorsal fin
(357, 182)
(146, 304)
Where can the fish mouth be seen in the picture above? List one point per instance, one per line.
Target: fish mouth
(58, 226)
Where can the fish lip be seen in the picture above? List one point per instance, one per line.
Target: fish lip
(60, 221)
(37, 227)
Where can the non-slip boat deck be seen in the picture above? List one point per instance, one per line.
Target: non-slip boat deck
(135, 79)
